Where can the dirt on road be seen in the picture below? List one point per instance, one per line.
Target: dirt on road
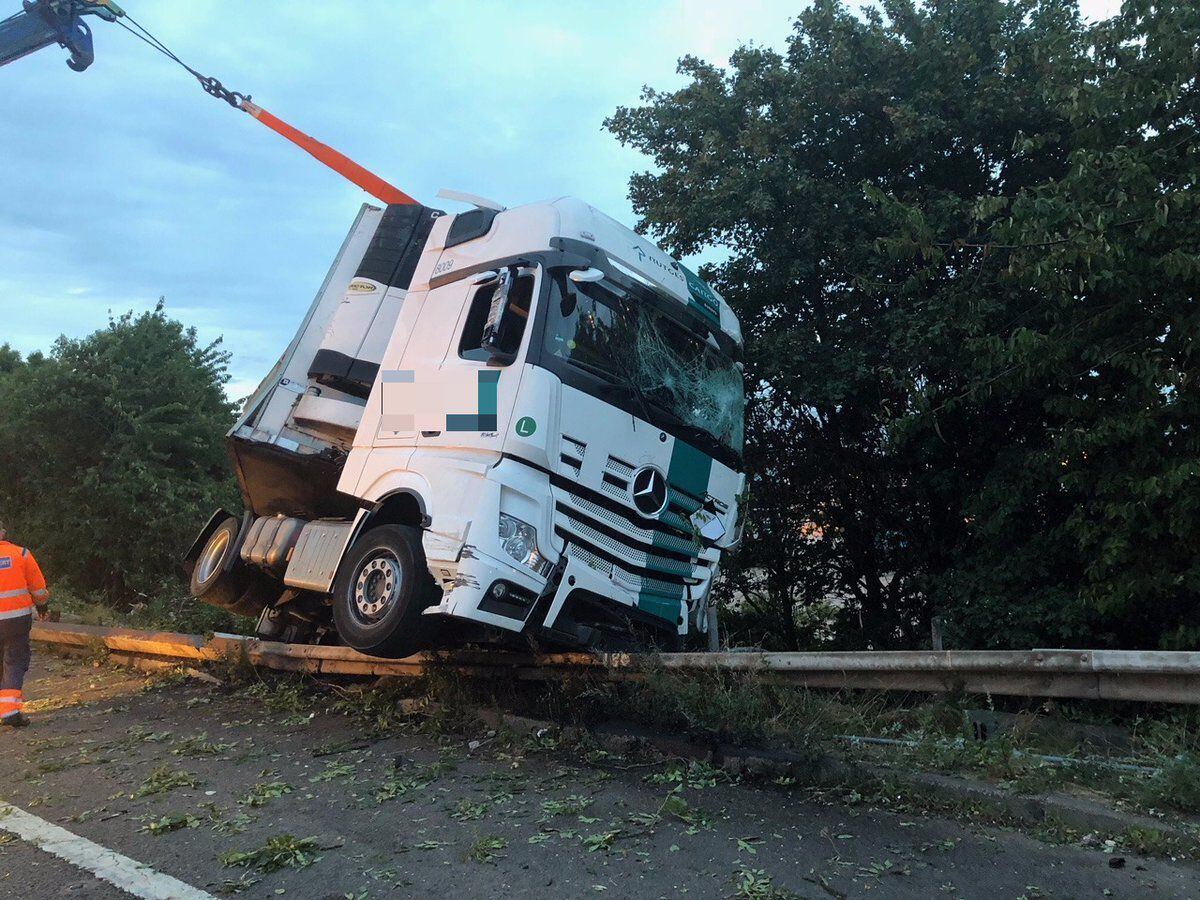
(268, 791)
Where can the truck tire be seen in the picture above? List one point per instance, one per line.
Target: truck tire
(380, 591)
(210, 580)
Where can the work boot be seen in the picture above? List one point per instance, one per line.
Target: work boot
(16, 720)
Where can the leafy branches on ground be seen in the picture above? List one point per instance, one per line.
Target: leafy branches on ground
(283, 851)
(164, 779)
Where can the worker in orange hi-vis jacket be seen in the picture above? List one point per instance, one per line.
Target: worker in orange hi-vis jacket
(22, 590)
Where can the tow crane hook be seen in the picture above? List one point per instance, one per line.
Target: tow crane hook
(46, 22)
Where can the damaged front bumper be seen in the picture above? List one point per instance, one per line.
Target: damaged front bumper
(582, 594)
(574, 604)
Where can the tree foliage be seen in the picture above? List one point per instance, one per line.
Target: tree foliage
(112, 452)
(963, 240)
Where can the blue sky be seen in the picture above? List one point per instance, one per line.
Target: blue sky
(127, 182)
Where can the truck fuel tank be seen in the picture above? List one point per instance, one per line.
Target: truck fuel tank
(270, 540)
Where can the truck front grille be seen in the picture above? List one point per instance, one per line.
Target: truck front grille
(663, 555)
(628, 551)
(571, 455)
(640, 579)
(649, 554)
(680, 504)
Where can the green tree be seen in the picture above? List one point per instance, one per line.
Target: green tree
(962, 239)
(113, 453)
(10, 360)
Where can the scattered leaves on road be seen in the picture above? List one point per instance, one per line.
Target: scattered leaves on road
(164, 779)
(694, 774)
(334, 771)
(756, 884)
(171, 822)
(200, 745)
(283, 851)
(487, 849)
(466, 811)
(568, 806)
(265, 791)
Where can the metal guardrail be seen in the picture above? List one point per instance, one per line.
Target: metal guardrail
(1149, 676)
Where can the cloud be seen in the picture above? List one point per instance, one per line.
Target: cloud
(127, 183)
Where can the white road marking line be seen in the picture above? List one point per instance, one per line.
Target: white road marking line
(121, 871)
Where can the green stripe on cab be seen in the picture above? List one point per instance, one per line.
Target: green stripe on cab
(704, 299)
(688, 471)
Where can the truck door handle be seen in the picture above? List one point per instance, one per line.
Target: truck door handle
(430, 433)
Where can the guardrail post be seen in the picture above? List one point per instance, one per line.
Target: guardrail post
(935, 635)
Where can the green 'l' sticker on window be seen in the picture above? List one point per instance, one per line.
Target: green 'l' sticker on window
(526, 426)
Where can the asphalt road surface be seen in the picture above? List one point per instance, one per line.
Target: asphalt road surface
(177, 779)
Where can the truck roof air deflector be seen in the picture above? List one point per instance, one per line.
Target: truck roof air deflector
(473, 199)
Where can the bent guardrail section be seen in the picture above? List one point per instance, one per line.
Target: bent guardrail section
(1150, 676)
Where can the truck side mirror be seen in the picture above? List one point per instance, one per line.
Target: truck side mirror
(585, 276)
(568, 304)
(493, 327)
(570, 300)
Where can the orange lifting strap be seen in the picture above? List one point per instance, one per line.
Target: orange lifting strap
(347, 168)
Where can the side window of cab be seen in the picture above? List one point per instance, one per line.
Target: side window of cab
(512, 329)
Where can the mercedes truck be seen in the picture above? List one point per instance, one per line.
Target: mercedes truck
(506, 423)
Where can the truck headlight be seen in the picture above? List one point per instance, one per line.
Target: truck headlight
(520, 541)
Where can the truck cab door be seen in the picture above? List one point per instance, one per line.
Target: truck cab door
(478, 386)
(475, 394)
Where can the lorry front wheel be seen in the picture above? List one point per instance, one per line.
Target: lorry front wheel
(380, 592)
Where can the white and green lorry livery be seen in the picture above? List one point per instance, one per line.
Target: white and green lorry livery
(523, 422)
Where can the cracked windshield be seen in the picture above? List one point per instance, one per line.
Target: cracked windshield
(632, 344)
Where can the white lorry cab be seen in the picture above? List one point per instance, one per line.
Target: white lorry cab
(523, 422)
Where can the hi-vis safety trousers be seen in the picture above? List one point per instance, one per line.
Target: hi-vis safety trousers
(14, 662)
(22, 589)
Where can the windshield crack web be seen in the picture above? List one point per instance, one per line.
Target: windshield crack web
(701, 391)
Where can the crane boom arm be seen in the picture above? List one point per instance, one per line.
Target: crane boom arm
(44, 22)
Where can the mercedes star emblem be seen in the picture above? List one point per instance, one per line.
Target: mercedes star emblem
(649, 490)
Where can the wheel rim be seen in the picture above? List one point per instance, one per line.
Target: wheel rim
(213, 557)
(376, 587)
